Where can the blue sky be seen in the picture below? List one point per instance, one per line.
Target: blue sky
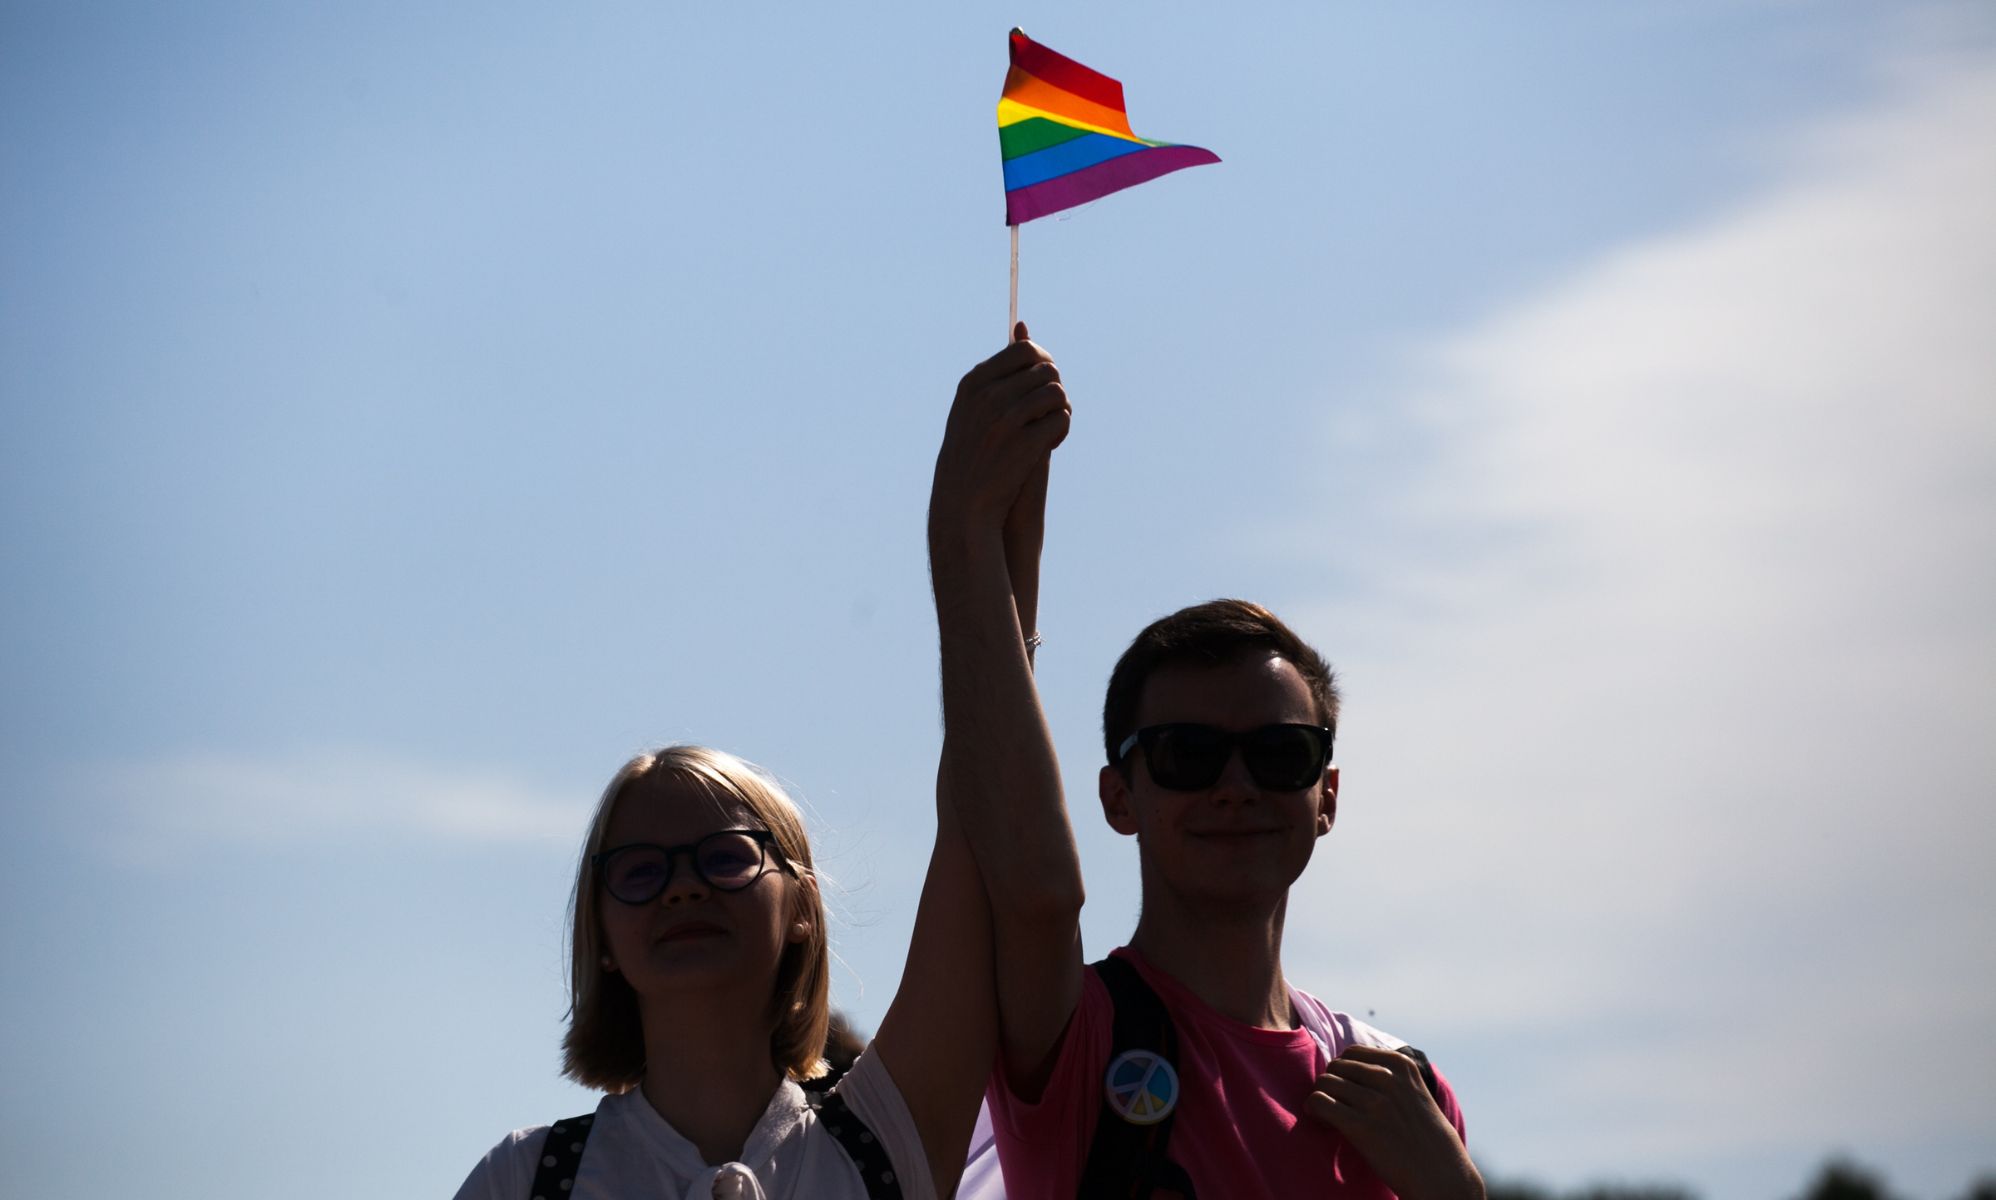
(407, 415)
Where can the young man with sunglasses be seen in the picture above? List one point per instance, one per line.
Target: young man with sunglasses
(1184, 1064)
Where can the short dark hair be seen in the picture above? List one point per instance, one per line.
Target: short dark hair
(1211, 634)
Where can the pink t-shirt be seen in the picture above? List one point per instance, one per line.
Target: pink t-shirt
(1240, 1131)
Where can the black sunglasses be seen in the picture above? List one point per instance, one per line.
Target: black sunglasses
(1187, 758)
(727, 861)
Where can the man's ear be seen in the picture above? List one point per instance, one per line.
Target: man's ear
(1327, 804)
(1115, 793)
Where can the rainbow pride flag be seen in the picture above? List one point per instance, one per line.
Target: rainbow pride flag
(1066, 136)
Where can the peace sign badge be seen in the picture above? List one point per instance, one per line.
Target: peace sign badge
(1141, 1087)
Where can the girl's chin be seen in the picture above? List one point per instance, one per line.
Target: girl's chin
(701, 965)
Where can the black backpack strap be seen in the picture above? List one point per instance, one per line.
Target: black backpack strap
(869, 1157)
(561, 1154)
(1140, 1091)
(1427, 1071)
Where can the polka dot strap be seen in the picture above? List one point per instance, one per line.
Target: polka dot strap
(561, 1155)
(868, 1156)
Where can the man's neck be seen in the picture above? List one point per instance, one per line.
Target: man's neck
(1232, 961)
(711, 1084)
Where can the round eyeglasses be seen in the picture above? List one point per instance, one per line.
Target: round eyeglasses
(727, 861)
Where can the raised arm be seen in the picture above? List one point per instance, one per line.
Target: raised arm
(940, 1033)
(1000, 774)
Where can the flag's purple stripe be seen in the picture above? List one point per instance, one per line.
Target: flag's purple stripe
(1090, 183)
(1066, 158)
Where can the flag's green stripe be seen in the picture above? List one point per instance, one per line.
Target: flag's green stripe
(1035, 133)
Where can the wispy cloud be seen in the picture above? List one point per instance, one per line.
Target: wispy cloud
(1676, 664)
(161, 807)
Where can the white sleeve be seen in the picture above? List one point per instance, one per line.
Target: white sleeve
(1366, 1035)
(870, 1092)
(507, 1170)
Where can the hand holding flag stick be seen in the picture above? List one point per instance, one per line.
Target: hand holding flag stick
(1065, 137)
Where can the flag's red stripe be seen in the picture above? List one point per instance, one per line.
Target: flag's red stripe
(1090, 183)
(1064, 73)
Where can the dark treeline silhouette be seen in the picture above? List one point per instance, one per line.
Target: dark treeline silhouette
(1496, 1189)
(1838, 1179)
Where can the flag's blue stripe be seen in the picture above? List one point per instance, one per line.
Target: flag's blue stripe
(1066, 158)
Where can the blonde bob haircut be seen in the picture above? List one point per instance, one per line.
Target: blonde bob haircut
(605, 1046)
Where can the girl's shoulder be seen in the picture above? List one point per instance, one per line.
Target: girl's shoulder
(508, 1169)
(865, 1114)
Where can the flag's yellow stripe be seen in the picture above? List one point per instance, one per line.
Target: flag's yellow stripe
(1010, 112)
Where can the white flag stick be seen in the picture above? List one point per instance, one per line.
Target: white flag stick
(1013, 323)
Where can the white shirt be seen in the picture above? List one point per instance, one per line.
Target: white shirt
(634, 1154)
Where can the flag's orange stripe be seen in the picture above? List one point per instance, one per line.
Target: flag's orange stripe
(1060, 103)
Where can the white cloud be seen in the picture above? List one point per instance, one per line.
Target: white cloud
(156, 809)
(1698, 758)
